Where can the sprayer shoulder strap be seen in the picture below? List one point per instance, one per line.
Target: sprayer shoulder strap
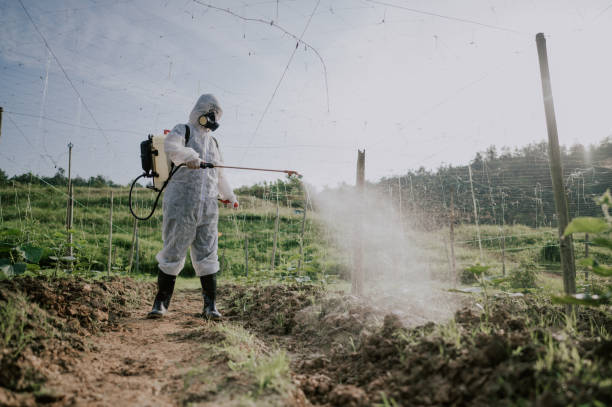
(187, 134)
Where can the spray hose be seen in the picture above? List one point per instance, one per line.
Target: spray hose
(203, 165)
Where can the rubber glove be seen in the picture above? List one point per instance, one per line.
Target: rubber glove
(193, 164)
(234, 202)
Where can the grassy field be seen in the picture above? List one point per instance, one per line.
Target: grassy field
(35, 216)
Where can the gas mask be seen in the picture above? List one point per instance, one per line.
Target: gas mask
(209, 121)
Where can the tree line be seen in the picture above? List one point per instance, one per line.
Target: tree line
(509, 186)
(59, 179)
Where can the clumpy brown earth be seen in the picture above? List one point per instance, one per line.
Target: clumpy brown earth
(517, 351)
(88, 343)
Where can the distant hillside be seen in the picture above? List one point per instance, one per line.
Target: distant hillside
(518, 180)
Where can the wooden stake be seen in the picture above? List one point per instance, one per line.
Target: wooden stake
(566, 243)
(273, 261)
(475, 211)
(137, 260)
(452, 236)
(70, 204)
(357, 275)
(246, 255)
(503, 234)
(302, 239)
(586, 253)
(399, 193)
(134, 234)
(110, 235)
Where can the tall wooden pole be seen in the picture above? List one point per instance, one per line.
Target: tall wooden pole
(357, 276)
(556, 172)
(452, 236)
(1, 110)
(110, 235)
(475, 211)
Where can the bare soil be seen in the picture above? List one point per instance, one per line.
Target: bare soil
(90, 344)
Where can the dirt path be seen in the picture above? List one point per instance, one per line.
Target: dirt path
(142, 363)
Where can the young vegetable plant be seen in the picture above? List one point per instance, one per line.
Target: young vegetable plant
(602, 229)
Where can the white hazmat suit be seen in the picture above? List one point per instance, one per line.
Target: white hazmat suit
(190, 205)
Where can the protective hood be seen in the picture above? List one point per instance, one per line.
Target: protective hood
(205, 104)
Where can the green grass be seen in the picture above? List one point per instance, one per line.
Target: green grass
(38, 213)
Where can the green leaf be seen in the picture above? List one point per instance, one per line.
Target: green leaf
(11, 232)
(32, 254)
(477, 269)
(588, 262)
(582, 299)
(604, 242)
(19, 268)
(5, 262)
(603, 271)
(605, 199)
(586, 224)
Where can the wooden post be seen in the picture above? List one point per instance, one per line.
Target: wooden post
(70, 204)
(273, 261)
(452, 236)
(246, 255)
(110, 235)
(566, 243)
(399, 193)
(503, 234)
(475, 211)
(134, 234)
(586, 253)
(137, 260)
(357, 275)
(300, 260)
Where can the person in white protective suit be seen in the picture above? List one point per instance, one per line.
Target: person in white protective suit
(190, 207)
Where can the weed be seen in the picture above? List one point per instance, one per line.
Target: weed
(13, 321)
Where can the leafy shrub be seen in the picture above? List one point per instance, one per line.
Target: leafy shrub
(601, 228)
(524, 276)
(470, 275)
(551, 252)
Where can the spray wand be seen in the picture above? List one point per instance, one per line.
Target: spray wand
(211, 165)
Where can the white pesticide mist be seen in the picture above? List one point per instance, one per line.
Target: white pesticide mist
(406, 271)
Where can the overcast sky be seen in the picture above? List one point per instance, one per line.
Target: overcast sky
(414, 82)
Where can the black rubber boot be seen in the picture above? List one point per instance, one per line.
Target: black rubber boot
(209, 293)
(165, 288)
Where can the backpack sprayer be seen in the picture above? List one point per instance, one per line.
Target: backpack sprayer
(158, 166)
